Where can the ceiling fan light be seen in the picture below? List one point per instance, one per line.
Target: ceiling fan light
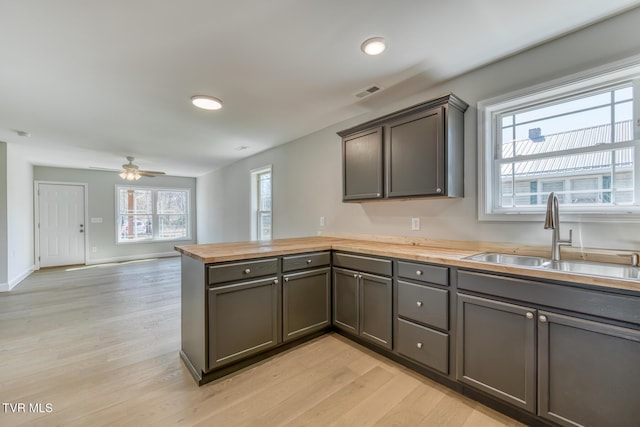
(206, 102)
(373, 46)
(130, 175)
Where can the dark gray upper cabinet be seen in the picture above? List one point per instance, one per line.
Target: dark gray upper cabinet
(415, 155)
(423, 153)
(362, 165)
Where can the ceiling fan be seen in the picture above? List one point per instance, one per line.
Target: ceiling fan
(131, 172)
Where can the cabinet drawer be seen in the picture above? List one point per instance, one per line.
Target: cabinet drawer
(424, 304)
(220, 273)
(363, 264)
(424, 345)
(299, 262)
(423, 272)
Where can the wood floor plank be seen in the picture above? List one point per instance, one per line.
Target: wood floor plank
(100, 344)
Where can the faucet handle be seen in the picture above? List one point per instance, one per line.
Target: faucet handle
(635, 258)
(566, 242)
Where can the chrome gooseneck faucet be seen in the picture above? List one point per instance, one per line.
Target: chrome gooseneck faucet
(552, 221)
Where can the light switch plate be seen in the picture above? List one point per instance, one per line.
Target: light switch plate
(415, 224)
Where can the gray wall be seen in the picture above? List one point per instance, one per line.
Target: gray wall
(20, 251)
(3, 218)
(307, 172)
(101, 201)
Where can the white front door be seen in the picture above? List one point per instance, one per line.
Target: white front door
(62, 224)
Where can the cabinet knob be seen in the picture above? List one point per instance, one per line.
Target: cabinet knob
(419, 272)
(247, 270)
(543, 319)
(355, 275)
(308, 261)
(419, 345)
(529, 315)
(275, 281)
(359, 276)
(286, 279)
(377, 194)
(419, 303)
(438, 190)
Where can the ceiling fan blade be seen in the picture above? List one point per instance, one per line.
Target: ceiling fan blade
(150, 172)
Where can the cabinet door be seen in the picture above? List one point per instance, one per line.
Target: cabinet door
(589, 372)
(496, 349)
(376, 319)
(345, 300)
(244, 319)
(305, 300)
(362, 165)
(414, 152)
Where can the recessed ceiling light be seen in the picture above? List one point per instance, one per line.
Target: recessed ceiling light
(373, 46)
(206, 102)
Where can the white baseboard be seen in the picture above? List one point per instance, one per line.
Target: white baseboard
(131, 258)
(6, 287)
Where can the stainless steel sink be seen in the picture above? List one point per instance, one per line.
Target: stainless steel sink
(616, 271)
(595, 269)
(509, 259)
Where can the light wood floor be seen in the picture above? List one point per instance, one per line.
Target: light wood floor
(100, 345)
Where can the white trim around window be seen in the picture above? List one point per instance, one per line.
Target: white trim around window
(262, 203)
(494, 159)
(152, 215)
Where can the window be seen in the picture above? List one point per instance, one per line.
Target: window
(577, 137)
(146, 214)
(261, 218)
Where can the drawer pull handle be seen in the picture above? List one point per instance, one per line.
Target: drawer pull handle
(308, 261)
(247, 270)
(419, 345)
(419, 303)
(543, 319)
(529, 315)
(419, 272)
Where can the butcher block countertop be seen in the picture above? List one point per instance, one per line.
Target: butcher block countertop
(437, 254)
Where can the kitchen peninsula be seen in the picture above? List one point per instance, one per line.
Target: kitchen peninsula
(511, 337)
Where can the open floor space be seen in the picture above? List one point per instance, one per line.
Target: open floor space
(99, 346)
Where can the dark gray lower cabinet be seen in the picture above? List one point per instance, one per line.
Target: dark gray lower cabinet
(362, 305)
(376, 295)
(306, 302)
(497, 349)
(589, 372)
(346, 300)
(244, 319)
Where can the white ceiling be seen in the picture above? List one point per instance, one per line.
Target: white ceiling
(95, 81)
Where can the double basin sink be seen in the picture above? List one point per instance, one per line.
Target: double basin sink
(615, 271)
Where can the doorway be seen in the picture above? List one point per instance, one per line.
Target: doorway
(60, 224)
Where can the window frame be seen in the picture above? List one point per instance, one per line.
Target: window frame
(255, 202)
(567, 87)
(154, 214)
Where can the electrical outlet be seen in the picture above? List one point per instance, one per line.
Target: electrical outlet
(415, 224)
(322, 221)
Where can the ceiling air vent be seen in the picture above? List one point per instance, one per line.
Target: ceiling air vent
(368, 91)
